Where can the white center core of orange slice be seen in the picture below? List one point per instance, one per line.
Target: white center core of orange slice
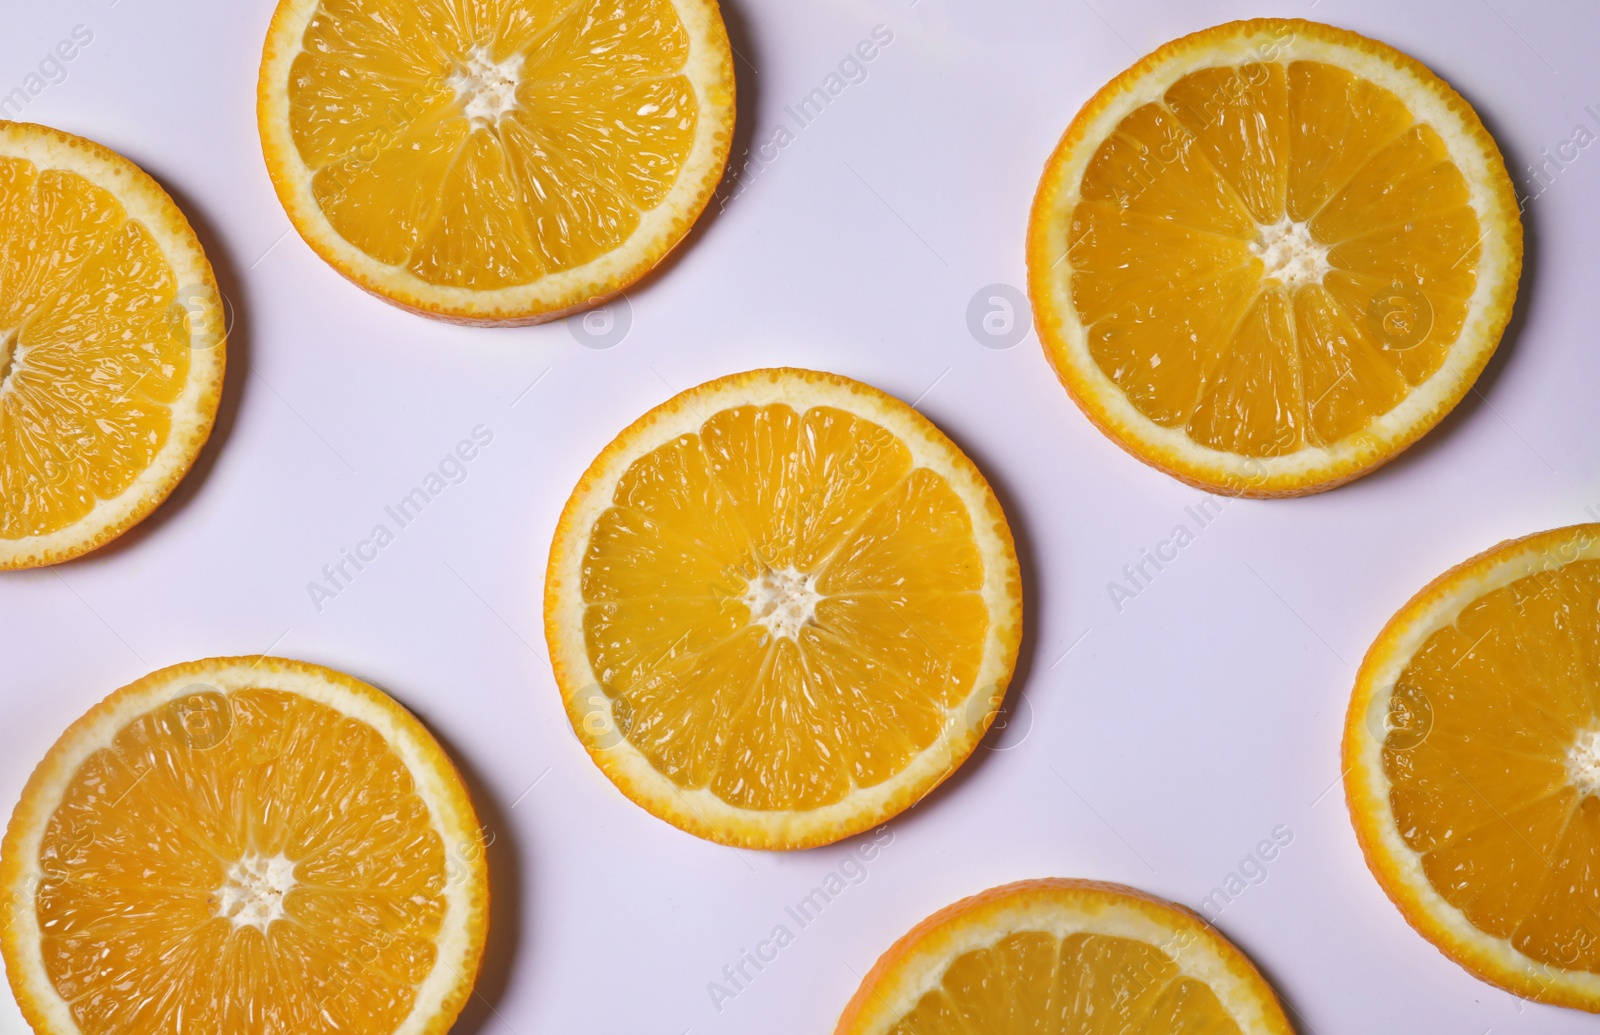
(486, 88)
(8, 357)
(1583, 763)
(782, 600)
(1290, 253)
(252, 896)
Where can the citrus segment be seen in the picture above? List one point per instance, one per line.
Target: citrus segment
(1473, 750)
(110, 345)
(781, 607)
(1063, 955)
(243, 845)
(1271, 255)
(501, 162)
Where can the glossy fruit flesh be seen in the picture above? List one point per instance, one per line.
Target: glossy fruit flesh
(782, 606)
(485, 145)
(1493, 753)
(241, 863)
(1272, 255)
(94, 348)
(1032, 981)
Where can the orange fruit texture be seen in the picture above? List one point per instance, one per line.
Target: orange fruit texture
(243, 845)
(1271, 255)
(781, 607)
(495, 161)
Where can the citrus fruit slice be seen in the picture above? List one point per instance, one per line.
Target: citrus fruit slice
(495, 161)
(1271, 255)
(1472, 764)
(1059, 955)
(111, 345)
(781, 607)
(243, 845)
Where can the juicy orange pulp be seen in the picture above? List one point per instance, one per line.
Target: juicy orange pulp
(699, 579)
(486, 144)
(1205, 221)
(1494, 758)
(1033, 981)
(93, 351)
(176, 848)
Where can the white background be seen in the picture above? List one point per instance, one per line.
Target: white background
(1172, 738)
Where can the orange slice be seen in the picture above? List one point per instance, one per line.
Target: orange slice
(1061, 955)
(1271, 255)
(111, 345)
(781, 607)
(495, 161)
(243, 845)
(1472, 758)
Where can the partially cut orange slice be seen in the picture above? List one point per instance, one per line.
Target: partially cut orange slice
(1062, 955)
(1472, 759)
(495, 161)
(1271, 255)
(111, 345)
(243, 845)
(781, 607)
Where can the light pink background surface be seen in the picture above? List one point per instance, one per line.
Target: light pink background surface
(1155, 746)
